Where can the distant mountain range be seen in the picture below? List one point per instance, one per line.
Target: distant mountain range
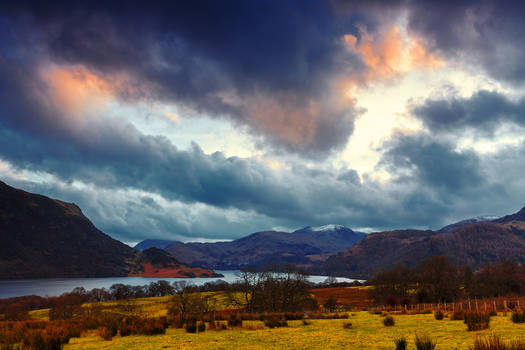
(465, 243)
(44, 237)
(304, 247)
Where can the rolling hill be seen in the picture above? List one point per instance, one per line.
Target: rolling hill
(43, 237)
(474, 245)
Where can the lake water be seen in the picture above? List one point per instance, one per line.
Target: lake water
(56, 286)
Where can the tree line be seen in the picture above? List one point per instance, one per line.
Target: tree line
(254, 291)
(436, 279)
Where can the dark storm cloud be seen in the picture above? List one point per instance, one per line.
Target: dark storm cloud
(264, 65)
(483, 112)
(436, 179)
(436, 165)
(483, 33)
(224, 58)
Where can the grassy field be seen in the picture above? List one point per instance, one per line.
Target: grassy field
(367, 332)
(146, 307)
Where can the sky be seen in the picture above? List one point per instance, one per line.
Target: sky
(210, 120)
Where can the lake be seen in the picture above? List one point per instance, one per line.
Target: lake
(56, 286)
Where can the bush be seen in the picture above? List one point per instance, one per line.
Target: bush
(201, 327)
(347, 325)
(476, 321)
(401, 343)
(106, 333)
(289, 316)
(274, 321)
(493, 342)
(457, 316)
(152, 327)
(191, 326)
(424, 342)
(235, 320)
(388, 321)
(518, 317)
(306, 322)
(331, 304)
(438, 315)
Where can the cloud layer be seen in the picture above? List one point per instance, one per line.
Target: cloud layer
(285, 72)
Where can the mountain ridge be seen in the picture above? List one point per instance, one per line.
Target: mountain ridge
(474, 245)
(44, 237)
(301, 247)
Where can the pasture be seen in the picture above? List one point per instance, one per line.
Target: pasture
(367, 332)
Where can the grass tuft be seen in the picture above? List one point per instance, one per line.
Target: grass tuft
(424, 342)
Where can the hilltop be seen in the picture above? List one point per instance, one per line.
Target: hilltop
(45, 237)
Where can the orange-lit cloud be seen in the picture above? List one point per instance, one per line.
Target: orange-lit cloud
(389, 55)
(294, 122)
(77, 91)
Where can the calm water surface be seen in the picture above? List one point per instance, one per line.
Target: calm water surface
(56, 286)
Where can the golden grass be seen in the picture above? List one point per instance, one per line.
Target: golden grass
(147, 307)
(39, 315)
(367, 332)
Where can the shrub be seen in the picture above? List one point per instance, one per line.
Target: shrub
(494, 342)
(347, 325)
(235, 320)
(424, 342)
(106, 333)
(401, 343)
(274, 321)
(518, 317)
(191, 326)
(457, 315)
(201, 327)
(152, 327)
(331, 304)
(306, 322)
(438, 315)
(493, 313)
(16, 312)
(289, 316)
(334, 316)
(388, 321)
(476, 321)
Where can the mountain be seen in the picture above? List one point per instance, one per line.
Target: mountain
(474, 245)
(302, 247)
(465, 222)
(517, 217)
(153, 243)
(43, 237)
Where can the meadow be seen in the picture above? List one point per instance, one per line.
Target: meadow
(363, 329)
(367, 332)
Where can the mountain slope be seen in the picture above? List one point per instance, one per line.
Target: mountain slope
(302, 247)
(153, 243)
(473, 245)
(465, 222)
(44, 237)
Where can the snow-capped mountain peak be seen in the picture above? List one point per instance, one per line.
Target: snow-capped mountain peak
(324, 228)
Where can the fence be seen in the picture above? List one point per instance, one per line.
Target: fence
(503, 304)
